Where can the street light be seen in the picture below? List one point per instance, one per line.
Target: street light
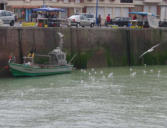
(97, 2)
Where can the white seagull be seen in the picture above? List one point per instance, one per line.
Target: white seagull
(60, 34)
(149, 50)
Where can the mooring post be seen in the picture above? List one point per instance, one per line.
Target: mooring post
(128, 46)
(71, 42)
(20, 45)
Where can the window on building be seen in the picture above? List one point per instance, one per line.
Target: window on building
(126, 1)
(2, 6)
(27, 1)
(55, 0)
(66, 1)
(77, 1)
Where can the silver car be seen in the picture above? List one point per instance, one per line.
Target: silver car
(87, 20)
(74, 20)
(7, 17)
(1, 22)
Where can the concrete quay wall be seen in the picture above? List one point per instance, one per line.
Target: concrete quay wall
(95, 47)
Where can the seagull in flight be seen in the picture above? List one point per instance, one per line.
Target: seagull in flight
(60, 34)
(149, 50)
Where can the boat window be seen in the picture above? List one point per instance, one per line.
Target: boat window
(63, 57)
(59, 57)
(54, 61)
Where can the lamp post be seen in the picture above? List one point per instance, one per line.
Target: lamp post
(97, 2)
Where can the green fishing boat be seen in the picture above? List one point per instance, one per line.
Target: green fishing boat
(57, 65)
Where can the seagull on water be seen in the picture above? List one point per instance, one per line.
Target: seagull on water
(133, 74)
(149, 50)
(110, 75)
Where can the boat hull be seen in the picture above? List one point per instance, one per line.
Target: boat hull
(25, 70)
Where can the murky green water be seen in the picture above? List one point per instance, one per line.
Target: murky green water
(100, 98)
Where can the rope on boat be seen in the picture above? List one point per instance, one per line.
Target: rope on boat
(6, 67)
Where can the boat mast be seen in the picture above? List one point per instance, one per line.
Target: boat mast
(61, 40)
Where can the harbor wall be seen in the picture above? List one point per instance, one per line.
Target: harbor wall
(93, 47)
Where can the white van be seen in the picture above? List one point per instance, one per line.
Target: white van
(7, 17)
(82, 19)
(74, 20)
(1, 22)
(87, 20)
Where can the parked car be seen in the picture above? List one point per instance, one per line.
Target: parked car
(87, 20)
(74, 20)
(162, 23)
(121, 21)
(145, 24)
(82, 19)
(1, 22)
(7, 17)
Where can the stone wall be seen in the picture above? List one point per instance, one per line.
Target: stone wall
(95, 47)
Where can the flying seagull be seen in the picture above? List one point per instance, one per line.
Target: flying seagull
(60, 34)
(149, 50)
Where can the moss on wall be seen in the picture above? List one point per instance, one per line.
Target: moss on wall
(80, 58)
(159, 58)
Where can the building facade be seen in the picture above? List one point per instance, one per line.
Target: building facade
(163, 11)
(23, 8)
(157, 7)
(116, 8)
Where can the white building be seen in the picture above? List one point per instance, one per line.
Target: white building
(113, 7)
(157, 7)
(163, 12)
(116, 8)
(25, 7)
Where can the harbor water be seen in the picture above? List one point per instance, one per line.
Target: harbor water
(117, 97)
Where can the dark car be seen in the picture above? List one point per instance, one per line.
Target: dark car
(145, 24)
(162, 23)
(121, 21)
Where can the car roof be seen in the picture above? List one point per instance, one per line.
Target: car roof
(6, 11)
(74, 15)
(86, 14)
(80, 14)
(121, 17)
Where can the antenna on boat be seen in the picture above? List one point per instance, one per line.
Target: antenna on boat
(61, 40)
(72, 58)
